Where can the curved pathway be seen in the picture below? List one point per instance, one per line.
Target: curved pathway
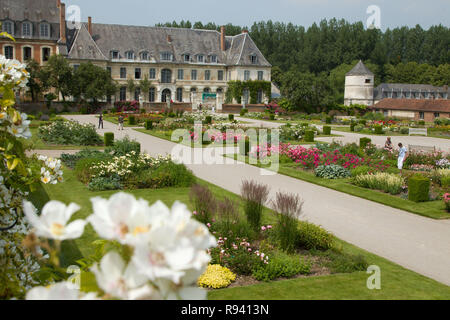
(417, 243)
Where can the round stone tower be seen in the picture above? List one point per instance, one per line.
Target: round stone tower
(359, 86)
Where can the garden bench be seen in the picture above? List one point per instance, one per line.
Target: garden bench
(418, 131)
(421, 148)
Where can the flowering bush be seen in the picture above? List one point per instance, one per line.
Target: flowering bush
(447, 201)
(70, 133)
(155, 237)
(421, 167)
(216, 277)
(389, 183)
(51, 172)
(443, 164)
(123, 106)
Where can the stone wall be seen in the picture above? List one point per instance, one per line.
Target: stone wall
(236, 108)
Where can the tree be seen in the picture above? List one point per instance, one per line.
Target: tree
(60, 75)
(145, 86)
(38, 81)
(92, 83)
(131, 86)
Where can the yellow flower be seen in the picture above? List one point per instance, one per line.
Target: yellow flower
(216, 277)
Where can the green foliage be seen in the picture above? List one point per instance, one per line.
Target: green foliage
(208, 119)
(243, 112)
(361, 170)
(124, 146)
(132, 120)
(69, 133)
(363, 142)
(281, 266)
(328, 120)
(231, 117)
(378, 129)
(203, 202)
(352, 126)
(70, 160)
(327, 130)
(105, 183)
(404, 130)
(445, 181)
(311, 236)
(309, 136)
(83, 168)
(236, 90)
(419, 188)
(332, 171)
(148, 125)
(342, 262)
(389, 183)
(171, 175)
(109, 139)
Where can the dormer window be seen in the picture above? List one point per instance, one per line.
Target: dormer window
(115, 54)
(213, 59)
(145, 56)
(201, 58)
(26, 29)
(166, 56)
(254, 59)
(44, 30)
(186, 58)
(129, 55)
(8, 27)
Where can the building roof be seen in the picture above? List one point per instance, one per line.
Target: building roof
(155, 40)
(422, 105)
(405, 88)
(360, 70)
(31, 10)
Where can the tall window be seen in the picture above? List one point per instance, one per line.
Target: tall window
(45, 54)
(8, 26)
(45, 30)
(186, 58)
(152, 73)
(123, 94)
(207, 75)
(200, 58)
(26, 29)
(26, 53)
(260, 75)
(180, 74)
(166, 76)
(260, 96)
(246, 94)
(123, 73)
(194, 75)
(151, 95)
(422, 115)
(9, 52)
(213, 59)
(114, 54)
(180, 94)
(437, 114)
(246, 75)
(130, 55)
(220, 75)
(137, 73)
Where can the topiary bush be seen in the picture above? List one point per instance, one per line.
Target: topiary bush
(109, 139)
(352, 126)
(378, 129)
(363, 142)
(231, 117)
(332, 171)
(208, 119)
(311, 236)
(132, 120)
(328, 120)
(419, 188)
(148, 125)
(404, 130)
(243, 112)
(309, 136)
(327, 130)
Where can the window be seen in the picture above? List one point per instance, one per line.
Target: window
(206, 90)
(422, 115)
(368, 81)
(45, 30)
(144, 56)
(213, 59)
(180, 74)
(26, 53)
(246, 75)
(200, 58)
(123, 94)
(207, 75)
(26, 29)
(180, 94)
(246, 96)
(151, 95)
(254, 59)
(166, 95)
(123, 73)
(260, 75)
(219, 90)
(437, 115)
(45, 54)
(166, 56)
(8, 26)
(130, 55)
(186, 58)
(166, 76)
(9, 52)
(194, 75)
(137, 73)
(114, 54)
(386, 113)
(260, 96)
(152, 73)
(137, 94)
(220, 75)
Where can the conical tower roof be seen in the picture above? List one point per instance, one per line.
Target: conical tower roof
(360, 70)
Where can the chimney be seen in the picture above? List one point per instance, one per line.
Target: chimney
(222, 38)
(62, 22)
(169, 39)
(244, 31)
(58, 3)
(90, 25)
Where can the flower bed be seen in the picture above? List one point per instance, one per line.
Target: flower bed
(70, 133)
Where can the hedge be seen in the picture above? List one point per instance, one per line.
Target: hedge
(109, 139)
(208, 119)
(309, 136)
(148, 125)
(363, 142)
(132, 120)
(352, 126)
(419, 188)
(328, 120)
(231, 117)
(327, 130)
(378, 129)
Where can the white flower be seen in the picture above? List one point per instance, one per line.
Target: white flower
(53, 222)
(122, 282)
(58, 291)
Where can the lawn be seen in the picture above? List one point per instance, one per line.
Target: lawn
(397, 282)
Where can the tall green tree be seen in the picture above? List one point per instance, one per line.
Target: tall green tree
(60, 75)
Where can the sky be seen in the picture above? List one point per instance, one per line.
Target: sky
(392, 13)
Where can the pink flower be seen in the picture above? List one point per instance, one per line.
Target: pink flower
(263, 228)
(208, 225)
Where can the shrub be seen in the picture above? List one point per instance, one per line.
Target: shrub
(171, 174)
(358, 128)
(421, 122)
(109, 139)
(363, 122)
(231, 117)
(203, 202)
(309, 136)
(148, 125)
(243, 112)
(378, 129)
(84, 110)
(208, 119)
(255, 196)
(328, 120)
(363, 142)
(327, 130)
(244, 146)
(105, 183)
(342, 262)
(332, 171)
(362, 170)
(124, 146)
(404, 130)
(310, 236)
(447, 201)
(132, 120)
(281, 266)
(70, 160)
(419, 188)
(352, 126)
(389, 183)
(69, 133)
(83, 169)
(288, 209)
(228, 215)
(216, 277)
(445, 182)
(272, 117)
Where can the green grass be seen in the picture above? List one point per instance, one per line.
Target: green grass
(115, 120)
(431, 209)
(397, 282)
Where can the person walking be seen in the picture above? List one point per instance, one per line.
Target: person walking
(402, 155)
(100, 121)
(121, 122)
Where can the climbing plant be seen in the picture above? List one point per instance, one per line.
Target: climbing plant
(236, 90)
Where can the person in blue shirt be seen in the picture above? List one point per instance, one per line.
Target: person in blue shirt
(402, 155)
